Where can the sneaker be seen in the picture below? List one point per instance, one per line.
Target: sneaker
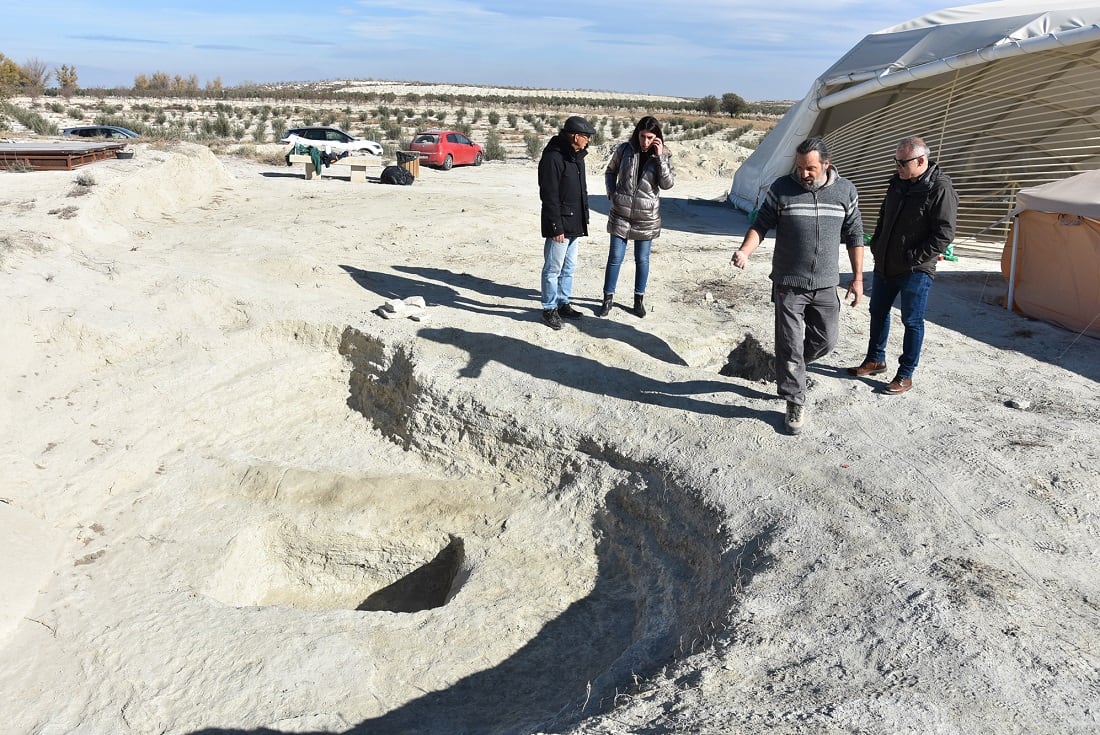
(795, 418)
(550, 316)
(567, 311)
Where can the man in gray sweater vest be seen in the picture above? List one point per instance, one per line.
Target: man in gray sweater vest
(813, 210)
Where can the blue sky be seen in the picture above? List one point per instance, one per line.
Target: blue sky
(760, 49)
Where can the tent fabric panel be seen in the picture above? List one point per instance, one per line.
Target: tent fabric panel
(1078, 195)
(995, 129)
(1057, 269)
(757, 172)
(926, 40)
(960, 30)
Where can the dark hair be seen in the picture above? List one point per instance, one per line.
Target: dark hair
(813, 144)
(648, 124)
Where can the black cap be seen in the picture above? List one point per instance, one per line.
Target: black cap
(578, 124)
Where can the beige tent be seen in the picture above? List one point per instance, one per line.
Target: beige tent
(1052, 256)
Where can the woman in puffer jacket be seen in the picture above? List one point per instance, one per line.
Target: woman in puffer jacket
(638, 170)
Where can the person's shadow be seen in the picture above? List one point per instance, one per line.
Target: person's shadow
(582, 373)
(393, 286)
(442, 287)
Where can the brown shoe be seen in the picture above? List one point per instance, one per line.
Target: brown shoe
(898, 385)
(869, 367)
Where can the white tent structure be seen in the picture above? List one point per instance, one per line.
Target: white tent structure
(1006, 94)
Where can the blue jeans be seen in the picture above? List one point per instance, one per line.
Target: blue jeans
(615, 255)
(559, 262)
(913, 289)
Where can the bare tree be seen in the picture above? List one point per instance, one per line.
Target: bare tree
(37, 75)
(160, 82)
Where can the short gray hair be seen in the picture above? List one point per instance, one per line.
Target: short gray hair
(915, 145)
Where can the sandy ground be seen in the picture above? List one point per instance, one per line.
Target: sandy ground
(237, 499)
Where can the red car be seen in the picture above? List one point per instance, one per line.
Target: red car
(446, 148)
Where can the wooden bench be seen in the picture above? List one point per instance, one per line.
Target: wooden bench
(358, 164)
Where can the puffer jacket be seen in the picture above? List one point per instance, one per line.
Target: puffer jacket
(916, 223)
(563, 189)
(635, 199)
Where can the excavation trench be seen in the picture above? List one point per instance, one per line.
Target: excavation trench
(547, 580)
(658, 580)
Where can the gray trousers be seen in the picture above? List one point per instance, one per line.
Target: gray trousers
(807, 325)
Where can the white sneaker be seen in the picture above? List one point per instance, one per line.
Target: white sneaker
(795, 418)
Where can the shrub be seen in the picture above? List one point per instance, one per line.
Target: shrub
(84, 182)
(733, 135)
(392, 130)
(28, 118)
(533, 143)
(494, 149)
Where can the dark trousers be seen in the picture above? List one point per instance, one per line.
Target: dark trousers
(807, 325)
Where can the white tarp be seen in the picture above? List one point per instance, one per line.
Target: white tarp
(935, 44)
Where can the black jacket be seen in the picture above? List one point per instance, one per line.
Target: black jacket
(916, 223)
(563, 189)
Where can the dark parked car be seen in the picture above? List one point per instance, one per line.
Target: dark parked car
(326, 134)
(100, 131)
(446, 148)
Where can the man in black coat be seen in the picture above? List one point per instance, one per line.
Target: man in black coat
(915, 225)
(564, 194)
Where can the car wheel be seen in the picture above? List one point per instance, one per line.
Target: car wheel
(448, 162)
(478, 159)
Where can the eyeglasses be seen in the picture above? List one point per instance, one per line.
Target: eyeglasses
(905, 161)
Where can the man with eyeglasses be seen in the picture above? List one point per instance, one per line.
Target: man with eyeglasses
(813, 211)
(564, 194)
(916, 223)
